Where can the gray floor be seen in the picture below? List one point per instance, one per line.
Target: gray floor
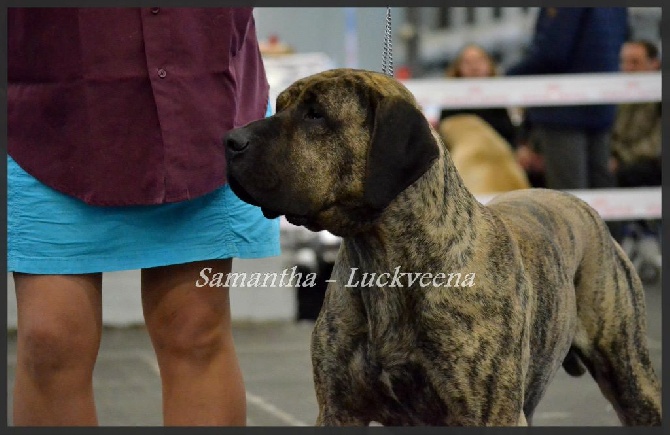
(277, 371)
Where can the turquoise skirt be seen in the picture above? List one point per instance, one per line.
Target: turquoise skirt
(52, 233)
(49, 232)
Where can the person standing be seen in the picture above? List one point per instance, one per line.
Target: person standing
(116, 118)
(574, 140)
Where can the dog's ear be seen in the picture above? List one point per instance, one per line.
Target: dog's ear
(401, 149)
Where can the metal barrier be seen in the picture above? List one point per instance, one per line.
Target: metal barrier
(526, 91)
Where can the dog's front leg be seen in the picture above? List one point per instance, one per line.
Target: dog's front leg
(338, 360)
(329, 417)
(522, 420)
(335, 378)
(478, 372)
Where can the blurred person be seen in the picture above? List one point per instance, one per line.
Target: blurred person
(528, 155)
(636, 135)
(636, 154)
(115, 162)
(473, 61)
(574, 140)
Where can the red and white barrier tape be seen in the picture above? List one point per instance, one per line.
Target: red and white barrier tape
(545, 90)
(621, 204)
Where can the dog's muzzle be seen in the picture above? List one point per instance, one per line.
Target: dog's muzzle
(236, 142)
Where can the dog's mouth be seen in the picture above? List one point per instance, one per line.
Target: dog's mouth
(268, 212)
(240, 191)
(295, 219)
(300, 220)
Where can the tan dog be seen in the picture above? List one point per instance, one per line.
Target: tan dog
(534, 278)
(481, 155)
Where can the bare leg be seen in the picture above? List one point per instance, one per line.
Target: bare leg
(190, 328)
(59, 330)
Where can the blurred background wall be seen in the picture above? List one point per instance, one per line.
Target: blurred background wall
(425, 39)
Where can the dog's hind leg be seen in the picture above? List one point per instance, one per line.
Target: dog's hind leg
(611, 338)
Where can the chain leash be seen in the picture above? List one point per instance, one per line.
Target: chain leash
(387, 59)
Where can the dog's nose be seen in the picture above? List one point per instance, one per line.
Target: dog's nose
(237, 140)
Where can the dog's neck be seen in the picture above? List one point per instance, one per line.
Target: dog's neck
(435, 218)
(430, 228)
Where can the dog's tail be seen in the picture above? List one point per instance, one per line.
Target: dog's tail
(573, 365)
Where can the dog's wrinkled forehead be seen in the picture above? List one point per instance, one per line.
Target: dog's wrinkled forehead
(369, 86)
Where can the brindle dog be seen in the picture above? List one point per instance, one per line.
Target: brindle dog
(349, 151)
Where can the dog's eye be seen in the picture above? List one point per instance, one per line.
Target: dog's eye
(313, 114)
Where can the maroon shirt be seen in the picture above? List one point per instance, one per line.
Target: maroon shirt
(126, 106)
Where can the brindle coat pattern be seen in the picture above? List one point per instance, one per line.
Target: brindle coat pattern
(349, 151)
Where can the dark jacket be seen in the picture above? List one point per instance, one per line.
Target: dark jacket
(569, 41)
(126, 106)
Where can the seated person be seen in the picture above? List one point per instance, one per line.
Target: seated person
(636, 134)
(474, 62)
(636, 154)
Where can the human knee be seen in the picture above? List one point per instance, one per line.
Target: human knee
(48, 349)
(192, 335)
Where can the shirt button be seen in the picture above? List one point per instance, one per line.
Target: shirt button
(155, 10)
(162, 73)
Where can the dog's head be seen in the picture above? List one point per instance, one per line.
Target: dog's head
(342, 145)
